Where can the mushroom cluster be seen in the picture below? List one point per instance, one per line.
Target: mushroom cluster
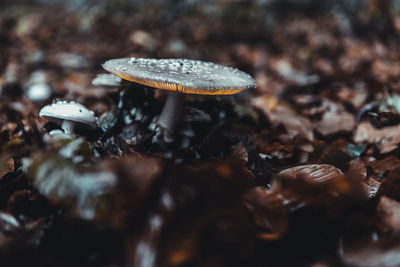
(179, 77)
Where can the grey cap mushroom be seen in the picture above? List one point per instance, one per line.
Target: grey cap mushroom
(69, 115)
(106, 80)
(179, 77)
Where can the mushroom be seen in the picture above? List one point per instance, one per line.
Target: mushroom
(106, 80)
(69, 115)
(179, 77)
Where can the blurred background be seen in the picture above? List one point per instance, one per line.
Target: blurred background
(281, 43)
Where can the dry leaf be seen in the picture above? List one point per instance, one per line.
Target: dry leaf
(7, 167)
(334, 123)
(283, 114)
(386, 139)
(389, 214)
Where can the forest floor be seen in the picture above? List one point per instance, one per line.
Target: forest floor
(303, 170)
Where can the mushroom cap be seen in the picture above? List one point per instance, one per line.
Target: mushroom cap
(181, 75)
(60, 111)
(106, 80)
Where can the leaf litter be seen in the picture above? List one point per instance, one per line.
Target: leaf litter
(303, 170)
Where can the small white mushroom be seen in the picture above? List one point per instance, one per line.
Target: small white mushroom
(38, 88)
(69, 115)
(106, 80)
(39, 92)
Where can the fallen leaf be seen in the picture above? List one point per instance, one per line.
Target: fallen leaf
(6, 167)
(386, 139)
(283, 114)
(388, 214)
(383, 252)
(316, 185)
(335, 123)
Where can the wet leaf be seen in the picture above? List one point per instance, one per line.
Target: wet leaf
(316, 184)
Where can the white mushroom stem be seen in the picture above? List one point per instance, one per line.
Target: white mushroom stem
(68, 126)
(171, 113)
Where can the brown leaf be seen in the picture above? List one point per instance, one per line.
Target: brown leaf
(371, 253)
(380, 173)
(356, 97)
(389, 214)
(335, 123)
(239, 151)
(283, 114)
(136, 175)
(269, 212)
(357, 169)
(313, 173)
(386, 139)
(6, 167)
(382, 166)
(391, 185)
(316, 184)
(336, 154)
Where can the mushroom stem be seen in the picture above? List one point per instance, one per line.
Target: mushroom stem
(171, 114)
(68, 126)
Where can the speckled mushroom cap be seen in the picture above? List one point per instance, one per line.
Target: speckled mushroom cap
(181, 75)
(71, 111)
